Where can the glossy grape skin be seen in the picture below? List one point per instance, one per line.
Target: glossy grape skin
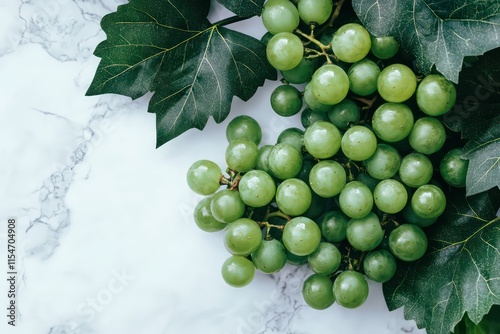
(317, 291)
(358, 143)
(333, 225)
(350, 289)
(365, 233)
(301, 236)
(227, 206)
(392, 122)
(241, 154)
(356, 200)
(292, 136)
(428, 201)
(284, 51)
(327, 178)
(384, 47)
(286, 100)
(344, 113)
(293, 197)
(416, 170)
(237, 271)
(325, 259)
(313, 103)
(384, 163)
(203, 177)
(408, 242)
(284, 161)
(256, 188)
(242, 237)
(379, 265)
(351, 42)
(280, 16)
(363, 77)
(322, 139)
(203, 217)
(308, 117)
(396, 83)
(262, 158)
(390, 196)
(436, 95)
(315, 11)
(301, 73)
(243, 126)
(270, 256)
(411, 217)
(329, 84)
(428, 135)
(453, 168)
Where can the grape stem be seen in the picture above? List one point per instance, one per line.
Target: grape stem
(310, 37)
(333, 17)
(278, 214)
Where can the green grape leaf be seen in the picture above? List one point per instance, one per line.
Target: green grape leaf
(439, 33)
(243, 8)
(483, 153)
(460, 271)
(193, 67)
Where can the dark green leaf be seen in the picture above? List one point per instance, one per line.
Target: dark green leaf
(243, 8)
(169, 48)
(483, 153)
(439, 33)
(461, 270)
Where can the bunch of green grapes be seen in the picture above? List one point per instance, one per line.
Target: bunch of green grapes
(351, 194)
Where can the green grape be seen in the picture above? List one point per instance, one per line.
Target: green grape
(327, 178)
(453, 168)
(384, 163)
(227, 206)
(315, 11)
(316, 208)
(396, 83)
(322, 139)
(379, 265)
(392, 122)
(301, 236)
(325, 259)
(344, 114)
(313, 103)
(280, 16)
(241, 154)
(308, 117)
(270, 257)
(293, 197)
(358, 143)
(351, 42)
(262, 158)
(242, 237)
(204, 219)
(284, 51)
(329, 84)
(244, 127)
(284, 161)
(436, 95)
(411, 217)
(356, 200)
(428, 201)
(286, 100)
(408, 242)
(363, 77)
(350, 289)
(203, 177)
(365, 233)
(427, 135)
(333, 225)
(301, 73)
(384, 47)
(237, 271)
(256, 188)
(390, 196)
(295, 260)
(367, 180)
(416, 170)
(292, 136)
(266, 37)
(318, 292)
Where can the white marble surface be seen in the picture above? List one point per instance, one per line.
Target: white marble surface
(105, 239)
